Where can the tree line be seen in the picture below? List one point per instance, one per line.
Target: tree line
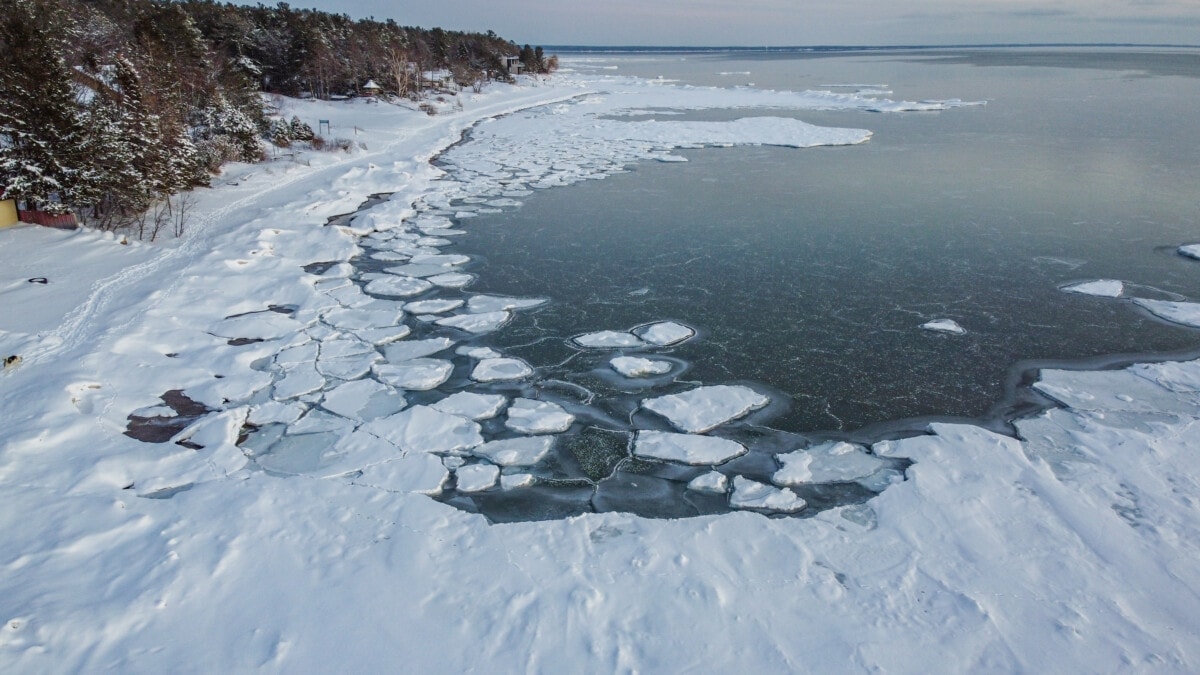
(110, 108)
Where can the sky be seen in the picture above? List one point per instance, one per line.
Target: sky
(794, 22)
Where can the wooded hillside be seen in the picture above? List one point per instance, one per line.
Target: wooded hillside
(110, 107)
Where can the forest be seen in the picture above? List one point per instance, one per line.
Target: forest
(109, 109)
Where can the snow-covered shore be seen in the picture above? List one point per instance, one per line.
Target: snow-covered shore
(1072, 549)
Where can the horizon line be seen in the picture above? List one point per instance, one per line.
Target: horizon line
(852, 47)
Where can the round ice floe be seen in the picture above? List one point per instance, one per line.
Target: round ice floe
(528, 416)
(944, 326)
(1106, 288)
(471, 405)
(1190, 251)
(398, 286)
(476, 477)
(415, 374)
(437, 306)
(705, 408)
(478, 352)
(363, 400)
(480, 304)
(476, 323)
(713, 482)
(423, 429)
(748, 494)
(608, 339)
(501, 370)
(515, 451)
(664, 333)
(833, 462)
(686, 448)
(414, 349)
(441, 259)
(388, 256)
(632, 366)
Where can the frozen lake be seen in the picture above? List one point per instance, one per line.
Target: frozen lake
(811, 271)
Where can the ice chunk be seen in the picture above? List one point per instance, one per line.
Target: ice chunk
(833, 462)
(414, 349)
(415, 374)
(515, 481)
(478, 352)
(1107, 288)
(398, 286)
(528, 416)
(452, 279)
(1190, 251)
(477, 477)
(608, 339)
(944, 326)
(304, 353)
(347, 367)
(317, 422)
(706, 408)
(1186, 313)
(471, 405)
(423, 429)
(686, 448)
(522, 451)
(665, 333)
(501, 370)
(363, 400)
(441, 259)
(482, 304)
(476, 323)
(270, 412)
(748, 494)
(437, 306)
(632, 366)
(713, 481)
(340, 348)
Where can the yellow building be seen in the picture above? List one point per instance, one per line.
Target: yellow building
(8, 213)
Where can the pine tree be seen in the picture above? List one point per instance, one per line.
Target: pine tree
(40, 127)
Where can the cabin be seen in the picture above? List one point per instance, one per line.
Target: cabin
(513, 65)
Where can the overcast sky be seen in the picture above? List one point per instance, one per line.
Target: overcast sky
(793, 22)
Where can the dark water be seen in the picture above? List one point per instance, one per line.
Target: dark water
(810, 271)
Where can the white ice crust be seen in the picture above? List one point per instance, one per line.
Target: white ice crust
(608, 339)
(501, 370)
(944, 326)
(635, 366)
(522, 451)
(706, 408)
(1105, 288)
(686, 448)
(1186, 313)
(528, 416)
(1190, 251)
(472, 405)
(665, 333)
(749, 494)
(833, 462)
(713, 482)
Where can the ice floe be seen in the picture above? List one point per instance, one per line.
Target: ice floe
(514, 481)
(418, 473)
(749, 494)
(528, 416)
(501, 370)
(686, 448)
(413, 349)
(482, 304)
(1190, 251)
(1106, 288)
(476, 477)
(436, 306)
(944, 326)
(476, 323)
(833, 462)
(415, 374)
(1185, 313)
(472, 405)
(713, 482)
(664, 333)
(633, 366)
(523, 451)
(397, 286)
(265, 325)
(708, 407)
(363, 400)
(424, 429)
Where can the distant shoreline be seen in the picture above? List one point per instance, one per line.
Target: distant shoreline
(837, 49)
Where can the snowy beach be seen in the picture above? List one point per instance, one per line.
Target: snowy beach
(320, 385)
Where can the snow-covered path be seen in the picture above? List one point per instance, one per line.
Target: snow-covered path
(1071, 550)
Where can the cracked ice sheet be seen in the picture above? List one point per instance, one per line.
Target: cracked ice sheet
(248, 572)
